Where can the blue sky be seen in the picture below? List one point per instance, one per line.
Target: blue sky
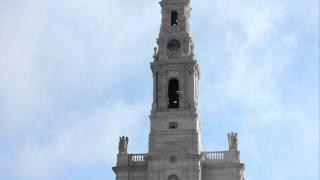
(75, 75)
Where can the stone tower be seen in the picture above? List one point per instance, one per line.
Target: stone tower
(175, 151)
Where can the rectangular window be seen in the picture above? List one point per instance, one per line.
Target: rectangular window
(173, 125)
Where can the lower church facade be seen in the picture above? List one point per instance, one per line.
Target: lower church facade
(175, 150)
(177, 164)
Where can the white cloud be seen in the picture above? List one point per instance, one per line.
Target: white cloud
(51, 47)
(86, 140)
(250, 68)
(19, 76)
(55, 55)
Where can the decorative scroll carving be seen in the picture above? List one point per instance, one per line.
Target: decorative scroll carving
(123, 145)
(233, 141)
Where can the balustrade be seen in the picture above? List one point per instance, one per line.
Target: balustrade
(137, 159)
(215, 155)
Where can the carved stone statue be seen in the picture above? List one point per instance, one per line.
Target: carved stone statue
(155, 57)
(233, 141)
(123, 145)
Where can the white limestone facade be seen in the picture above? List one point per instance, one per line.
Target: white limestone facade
(175, 151)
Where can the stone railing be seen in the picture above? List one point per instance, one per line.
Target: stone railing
(221, 157)
(137, 159)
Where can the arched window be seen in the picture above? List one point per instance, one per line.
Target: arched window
(173, 93)
(174, 18)
(173, 177)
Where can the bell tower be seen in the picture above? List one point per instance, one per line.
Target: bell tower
(175, 70)
(174, 139)
(175, 151)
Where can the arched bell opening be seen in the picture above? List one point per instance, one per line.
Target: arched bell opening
(173, 177)
(173, 94)
(174, 18)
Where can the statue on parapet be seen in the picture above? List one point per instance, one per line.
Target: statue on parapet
(155, 57)
(123, 145)
(233, 141)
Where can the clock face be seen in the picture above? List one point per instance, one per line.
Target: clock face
(173, 45)
(173, 159)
